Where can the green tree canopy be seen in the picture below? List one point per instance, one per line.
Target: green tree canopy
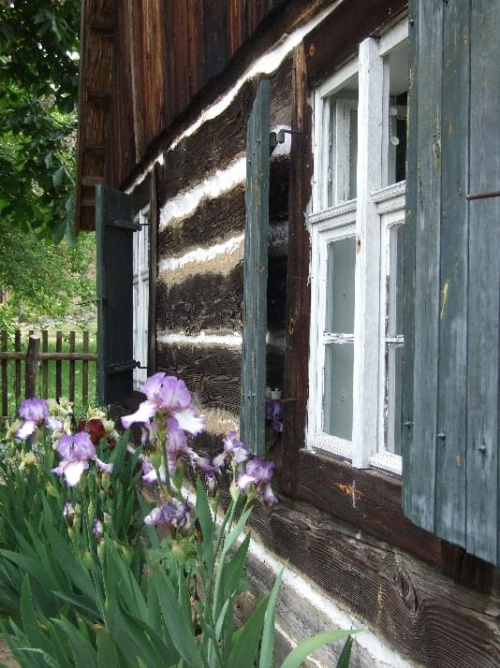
(38, 71)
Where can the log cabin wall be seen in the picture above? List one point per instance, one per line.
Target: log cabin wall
(341, 530)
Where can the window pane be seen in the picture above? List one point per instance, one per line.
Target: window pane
(337, 400)
(395, 397)
(340, 286)
(397, 63)
(395, 282)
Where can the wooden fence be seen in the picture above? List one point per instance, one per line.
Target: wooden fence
(48, 364)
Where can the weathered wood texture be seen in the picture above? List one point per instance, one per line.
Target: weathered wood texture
(421, 613)
(217, 219)
(332, 43)
(154, 216)
(298, 291)
(452, 458)
(222, 139)
(253, 372)
(213, 373)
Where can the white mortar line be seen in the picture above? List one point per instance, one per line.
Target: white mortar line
(232, 340)
(266, 64)
(202, 254)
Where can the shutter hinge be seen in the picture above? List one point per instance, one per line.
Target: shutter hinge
(118, 367)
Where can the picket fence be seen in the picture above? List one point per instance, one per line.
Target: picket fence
(46, 364)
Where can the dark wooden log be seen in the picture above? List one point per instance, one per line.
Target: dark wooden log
(337, 38)
(420, 612)
(298, 292)
(217, 219)
(206, 301)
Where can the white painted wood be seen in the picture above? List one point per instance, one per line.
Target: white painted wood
(343, 159)
(367, 312)
(393, 38)
(141, 296)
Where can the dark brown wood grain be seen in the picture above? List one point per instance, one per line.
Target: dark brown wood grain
(298, 292)
(204, 301)
(215, 220)
(419, 611)
(337, 38)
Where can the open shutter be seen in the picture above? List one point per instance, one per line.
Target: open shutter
(452, 314)
(253, 373)
(114, 229)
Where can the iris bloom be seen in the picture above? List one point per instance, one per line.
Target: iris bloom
(170, 396)
(235, 449)
(35, 413)
(76, 451)
(174, 514)
(257, 479)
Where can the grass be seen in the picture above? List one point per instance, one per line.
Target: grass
(80, 408)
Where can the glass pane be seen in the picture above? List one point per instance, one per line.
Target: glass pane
(397, 107)
(337, 400)
(395, 282)
(340, 286)
(395, 397)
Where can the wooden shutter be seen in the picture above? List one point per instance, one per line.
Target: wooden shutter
(114, 229)
(452, 250)
(253, 374)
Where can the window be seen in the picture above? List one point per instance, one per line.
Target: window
(141, 296)
(356, 225)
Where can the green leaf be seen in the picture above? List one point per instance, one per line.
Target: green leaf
(345, 655)
(181, 634)
(302, 651)
(84, 654)
(247, 639)
(204, 516)
(235, 533)
(107, 655)
(267, 646)
(233, 570)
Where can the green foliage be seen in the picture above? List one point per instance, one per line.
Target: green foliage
(46, 282)
(38, 69)
(136, 596)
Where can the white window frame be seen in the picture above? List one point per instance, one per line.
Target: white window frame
(369, 218)
(141, 296)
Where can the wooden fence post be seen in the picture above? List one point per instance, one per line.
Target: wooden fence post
(31, 366)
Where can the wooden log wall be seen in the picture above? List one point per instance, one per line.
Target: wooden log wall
(200, 254)
(341, 528)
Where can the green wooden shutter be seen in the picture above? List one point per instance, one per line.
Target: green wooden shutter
(114, 230)
(452, 311)
(253, 374)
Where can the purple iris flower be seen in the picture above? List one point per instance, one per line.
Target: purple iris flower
(35, 413)
(257, 478)
(274, 413)
(149, 474)
(235, 449)
(168, 395)
(173, 513)
(76, 451)
(176, 446)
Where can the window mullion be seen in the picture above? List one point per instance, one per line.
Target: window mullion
(367, 291)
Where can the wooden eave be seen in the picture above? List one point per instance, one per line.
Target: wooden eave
(94, 97)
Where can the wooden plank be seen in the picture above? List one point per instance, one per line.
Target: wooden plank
(421, 471)
(409, 257)
(71, 378)
(336, 39)
(135, 27)
(253, 376)
(59, 390)
(154, 221)
(452, 372)
(5, 377)
(85, 370)
(215, 38)
(45, 365)
(297, 289)
(484, 287)
(369, 501)
(422, 614)
(17, 383)
(32, 365)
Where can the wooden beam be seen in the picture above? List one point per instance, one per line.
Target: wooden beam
(98, 96)
(101, 150)
(102, 26)
(91, 180)
(88, 202)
